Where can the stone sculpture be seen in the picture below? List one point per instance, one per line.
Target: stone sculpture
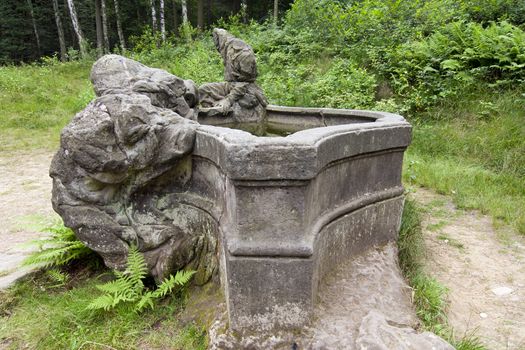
(279, 213)
(239, 96)
(112, 158)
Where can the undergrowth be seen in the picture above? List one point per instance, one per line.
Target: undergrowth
(61, 298)
(128, 290)
(36, 315)
(59, 247)
(429, 296)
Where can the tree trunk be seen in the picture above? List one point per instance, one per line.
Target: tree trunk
(60, 30)
(76, 27)
(184, 12)
(119, 27)
(35, 31)
(200, 14)
(162, 23)
(98, 25)
(175, 18)
(275, 10)
(153, 15)
(244, 11)
(104, 25)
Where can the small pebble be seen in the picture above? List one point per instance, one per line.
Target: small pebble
(483, 315)
(501, 291)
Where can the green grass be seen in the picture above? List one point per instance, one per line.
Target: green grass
(37, 102)
(36, 315)
(474, 155)
(430, 297)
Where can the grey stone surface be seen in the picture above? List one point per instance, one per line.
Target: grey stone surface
(113, 161)
(239, 98)
(363, 303)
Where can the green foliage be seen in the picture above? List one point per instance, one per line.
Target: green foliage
(34, 316)
(129, 290)
(58, 249)
(410, 242)
(472, 148)
(456, 57)
(38, 100)
(60, 278)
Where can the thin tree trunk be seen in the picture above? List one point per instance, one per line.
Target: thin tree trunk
(275, 10)
(200, 14)
(162, 23)
(104, 25)
(76, 27)
(35, 30)
(175, 18)
(184, 12)
(61, 39)
(185, 24)
(119, 27)
(98, 25)
(244, 11)
(153, 15)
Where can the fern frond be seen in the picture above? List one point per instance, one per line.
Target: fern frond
(58, 276)
(145, 301)
(106, 302)
(128, 288)
(58, 249)
(183, 277)
(136, 267)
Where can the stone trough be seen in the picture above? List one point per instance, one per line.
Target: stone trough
(289, 209)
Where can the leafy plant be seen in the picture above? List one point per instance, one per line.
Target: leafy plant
(129, 289)
(58, 249)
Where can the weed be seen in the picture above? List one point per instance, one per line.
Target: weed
(129, 291)
(58, 249)
(62, 321)
(450, 241)
(437, 226)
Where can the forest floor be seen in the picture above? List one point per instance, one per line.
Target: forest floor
(483, 268)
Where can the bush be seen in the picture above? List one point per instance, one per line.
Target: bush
(455, 58)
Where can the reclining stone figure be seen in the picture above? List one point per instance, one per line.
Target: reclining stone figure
(239, 97)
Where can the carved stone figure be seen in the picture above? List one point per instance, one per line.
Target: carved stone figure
(112, 159)
(239, 97)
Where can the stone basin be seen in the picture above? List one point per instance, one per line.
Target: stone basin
(289, 209)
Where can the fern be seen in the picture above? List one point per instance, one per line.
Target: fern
(128, 289)
(57, 276)
(58, 249)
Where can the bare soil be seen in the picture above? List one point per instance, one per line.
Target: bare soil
(483, 269)
(25, 208)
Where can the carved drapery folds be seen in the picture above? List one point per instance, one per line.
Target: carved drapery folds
(239, 97)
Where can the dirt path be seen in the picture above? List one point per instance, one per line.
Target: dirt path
(25, 208)
(483, 269)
